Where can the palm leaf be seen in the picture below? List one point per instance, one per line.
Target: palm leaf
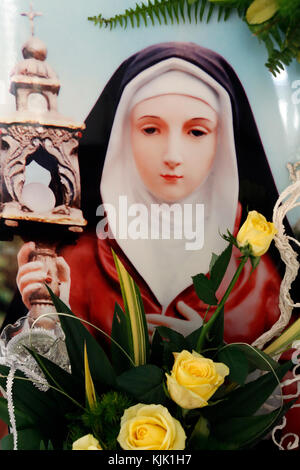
(89, 385)
(135, 312)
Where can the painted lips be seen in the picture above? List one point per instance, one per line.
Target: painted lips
(171, 178)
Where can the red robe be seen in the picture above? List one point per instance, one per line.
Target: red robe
(251, 309)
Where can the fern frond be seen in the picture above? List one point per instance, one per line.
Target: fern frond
(278, 58)
(166, 11)
(280, 34)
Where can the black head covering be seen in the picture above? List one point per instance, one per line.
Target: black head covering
(257, 188)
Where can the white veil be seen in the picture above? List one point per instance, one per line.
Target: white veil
(166, 265)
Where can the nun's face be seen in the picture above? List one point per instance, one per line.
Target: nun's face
(174, 141)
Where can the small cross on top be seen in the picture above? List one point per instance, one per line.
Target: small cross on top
(31, 15)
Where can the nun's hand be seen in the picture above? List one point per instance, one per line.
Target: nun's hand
(32, 275)
(192, 320)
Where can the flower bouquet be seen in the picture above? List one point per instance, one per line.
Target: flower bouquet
(173, 393)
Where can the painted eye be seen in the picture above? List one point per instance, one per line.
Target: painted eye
(150, 130)
(196, 132)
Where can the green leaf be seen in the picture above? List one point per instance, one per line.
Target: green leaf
(42, 408)
(254, 261)
(219, 267)
(181, 8)
(243, 432)
(200, 435)
(134, 308)
(176, 11)
(210, 12)
(121, 334)
(28, 439)
(22, 420)
(214, 258)
(76, 336)
(204, 289)
(192, 339)
(59, 378)
(256, 358)
(177, 339)
(202, 10)
(237, 362)
(247, 399)
(90, 392)
(170, 12)
(157, 350)
(171, 342)
(144, 383)
(285, 340)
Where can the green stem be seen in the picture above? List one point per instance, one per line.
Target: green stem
(207, 310)
(232, 283)
(214, 317)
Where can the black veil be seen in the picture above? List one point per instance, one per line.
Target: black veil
(257, 190)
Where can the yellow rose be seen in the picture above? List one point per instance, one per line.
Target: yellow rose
(257, 232)
(194, 379)
(150, 427)
(87, 442)
(261, 10)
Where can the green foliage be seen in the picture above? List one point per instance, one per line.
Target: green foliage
(256, 358)
(144, 384)
(28, 439)
(54, 419)
(164, 12)
(246, 400)
(280, 34)
(289, 8)
(104, 419)
(121, 338)
(43, 409)
(46, 446)
(23, 421)
(243, 432)
(58, 378)
(76, 336)
(134, 320)
(237, 362)
(170, 341)
(206, 288)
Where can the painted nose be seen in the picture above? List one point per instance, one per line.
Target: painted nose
(173, 156)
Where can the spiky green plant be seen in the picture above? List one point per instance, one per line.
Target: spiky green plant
(280, 32)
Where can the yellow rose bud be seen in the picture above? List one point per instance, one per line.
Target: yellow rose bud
(150, 427)
(257, 232)
(87, 442)
(261, 10)
(194, 379)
